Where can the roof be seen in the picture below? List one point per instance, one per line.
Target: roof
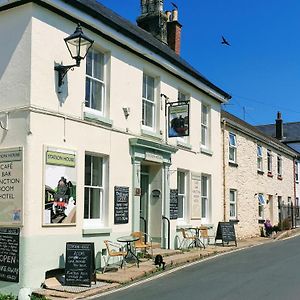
(291, 131)
(256, 133)
(107, 16)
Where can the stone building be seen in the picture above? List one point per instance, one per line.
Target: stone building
(258, 174)
(90, 155)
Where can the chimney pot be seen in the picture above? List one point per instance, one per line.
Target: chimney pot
(174, 15)
(279, 126)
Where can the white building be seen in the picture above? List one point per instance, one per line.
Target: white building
(104, 131)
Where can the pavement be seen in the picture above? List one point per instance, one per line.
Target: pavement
(115, 278)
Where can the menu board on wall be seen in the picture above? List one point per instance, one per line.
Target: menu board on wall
(80, 264)
(196, 196)
(9, 254)
(121, 204)
(173, 204)
(11, 186)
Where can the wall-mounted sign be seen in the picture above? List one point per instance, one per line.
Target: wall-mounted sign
(60, 187)
(11, 186)
(173, 204)
(153, 157)
(121, 204)
(196, 197)
(156, 193)
(9, 254)
(178, 119)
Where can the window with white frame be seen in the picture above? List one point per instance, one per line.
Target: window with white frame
(269, 161)
(205, 194)
(261, 204)
(95, 82)
(94, 188)
(296, 171)
(232, 204)
(279, 165)
(259, 158)
(182, 190)
(232, 147)
(205, 128)
(148, 102)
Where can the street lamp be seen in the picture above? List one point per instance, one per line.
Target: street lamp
(78, 45)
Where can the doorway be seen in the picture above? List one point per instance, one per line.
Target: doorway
(144, 202)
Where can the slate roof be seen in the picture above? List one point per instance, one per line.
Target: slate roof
(291, 131)
(256, 133)
(107, 16)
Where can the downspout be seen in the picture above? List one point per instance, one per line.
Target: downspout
(224, 169)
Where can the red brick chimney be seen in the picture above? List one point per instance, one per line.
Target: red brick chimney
(174, 31)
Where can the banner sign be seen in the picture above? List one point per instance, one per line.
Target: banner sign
(11, 186)
(60, 187)
(196, 197)
(178, 123)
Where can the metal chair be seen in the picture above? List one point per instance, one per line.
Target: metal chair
(188, 239)
(204, 234)
(114, 249)
(140, 244)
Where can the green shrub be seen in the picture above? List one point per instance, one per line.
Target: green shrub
(35, 297)
(7, 297)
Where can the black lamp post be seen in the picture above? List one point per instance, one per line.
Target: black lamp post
(78, 45)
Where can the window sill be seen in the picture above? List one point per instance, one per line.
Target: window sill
(96, 118)
(233, 164)
(270, 175)
(279, 177)
(235, 221)
(206, 151)
(260, 172)
(151, 133)
(97, 231)
(184, 145)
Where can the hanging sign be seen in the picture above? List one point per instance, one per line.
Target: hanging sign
(178, 121)
(11, 186)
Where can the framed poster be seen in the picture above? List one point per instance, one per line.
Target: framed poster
(196, 197)
(11, 186)
(178, 121)
(60, 186)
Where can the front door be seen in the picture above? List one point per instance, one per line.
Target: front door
(144, 202)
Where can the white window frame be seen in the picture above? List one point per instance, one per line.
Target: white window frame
(205, 126)
(182, 174)
(232, 147)
(259, 158)
(97, 222)
(205, 198)
(261, 206)
(279, 165)
(88, 108)
(269, 161)
(233, 203)
(152, 102)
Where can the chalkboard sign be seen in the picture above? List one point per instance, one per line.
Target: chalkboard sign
(80, 264)
(173, 204)
(121, 204)
(9, 254)
(226, 233)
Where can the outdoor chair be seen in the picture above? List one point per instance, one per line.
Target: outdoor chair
(188, 239)
(113, 250)
(205, 235)
(141, 244)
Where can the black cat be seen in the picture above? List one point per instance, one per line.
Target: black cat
(159, 261)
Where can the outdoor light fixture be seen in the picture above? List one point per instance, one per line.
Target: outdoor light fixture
(78, 45)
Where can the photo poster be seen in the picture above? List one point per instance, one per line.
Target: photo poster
(60, 186)
(11, 186)
(178, 123)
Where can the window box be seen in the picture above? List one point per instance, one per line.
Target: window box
(234, 221)
(270, 175)
(279, 177)
(260, 172)
(261, 221)
(232, 164)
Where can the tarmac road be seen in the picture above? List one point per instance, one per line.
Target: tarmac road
(269, 271)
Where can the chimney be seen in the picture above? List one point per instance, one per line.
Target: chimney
(153, 19)
(174, 31)
(279, 126)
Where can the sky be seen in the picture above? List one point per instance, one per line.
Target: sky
(261, 67)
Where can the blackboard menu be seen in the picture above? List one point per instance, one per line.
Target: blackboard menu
(9, 254)
(173, 204)
(80, 264)
(121, 204)
(226, 233)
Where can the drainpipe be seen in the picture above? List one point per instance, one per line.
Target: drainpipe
(224, 169)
